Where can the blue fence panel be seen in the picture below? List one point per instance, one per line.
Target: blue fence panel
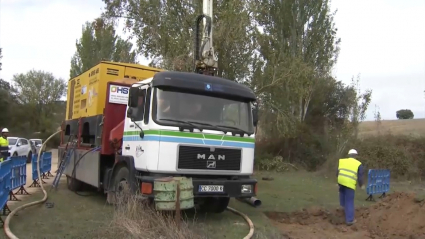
(378, 181)
(18, 175)
(34, 166)
(5, 184)
(47, 162)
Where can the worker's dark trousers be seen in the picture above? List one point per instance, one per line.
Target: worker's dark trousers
(346, 200)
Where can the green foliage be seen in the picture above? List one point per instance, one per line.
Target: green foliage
(37, 106)
(163, 30)
(403, 155)
(5, 102)
(404, 114)
(306, 115)
(100, 43)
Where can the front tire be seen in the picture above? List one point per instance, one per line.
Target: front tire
(120, 186)
(15, 154)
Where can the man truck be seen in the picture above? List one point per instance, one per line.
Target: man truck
(131, 125)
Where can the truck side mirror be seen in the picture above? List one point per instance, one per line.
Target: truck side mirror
(255, 116)
(133, 97)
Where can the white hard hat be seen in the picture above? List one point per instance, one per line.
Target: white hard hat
(5, 130)
(352, 151)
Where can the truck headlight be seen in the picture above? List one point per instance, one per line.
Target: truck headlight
(246, 189)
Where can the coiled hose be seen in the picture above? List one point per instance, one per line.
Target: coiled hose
(12, 213)
(10, 235)
(251, 225)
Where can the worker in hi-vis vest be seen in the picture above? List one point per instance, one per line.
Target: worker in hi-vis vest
(4, 145)
(350, 172)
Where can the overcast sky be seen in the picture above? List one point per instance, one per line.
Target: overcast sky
(382, 40)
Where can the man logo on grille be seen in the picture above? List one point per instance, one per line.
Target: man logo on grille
(211, 157)
(211, 164)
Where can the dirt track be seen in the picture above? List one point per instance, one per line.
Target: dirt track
(399, 215)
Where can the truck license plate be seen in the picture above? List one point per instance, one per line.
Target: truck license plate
(211, 188)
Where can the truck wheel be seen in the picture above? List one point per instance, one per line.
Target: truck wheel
(215, 204)
(120, 186)
(29, 157)
(73, 184)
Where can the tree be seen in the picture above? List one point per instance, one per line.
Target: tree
(38, 94)
(306, 114)
(100, 43)
(164, 33)
(404, 114)
(5, 99)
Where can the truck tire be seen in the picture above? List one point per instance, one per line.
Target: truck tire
(73, 184)
(120, 184)
(215, 204)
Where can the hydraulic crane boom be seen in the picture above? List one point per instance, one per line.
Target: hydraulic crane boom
(205, 57)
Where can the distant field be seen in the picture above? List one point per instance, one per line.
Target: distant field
(414, 127)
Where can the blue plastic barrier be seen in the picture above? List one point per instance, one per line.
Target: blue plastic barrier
(45, 167)
(47, 163)
(5, 183)
(34, 166)
(378, 182)
(18, 176)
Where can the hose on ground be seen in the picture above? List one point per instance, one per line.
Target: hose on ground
(10, 235)
(7, 230)
(251, 225)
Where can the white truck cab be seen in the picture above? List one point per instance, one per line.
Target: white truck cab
(194, 125)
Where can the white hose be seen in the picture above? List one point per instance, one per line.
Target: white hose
(251, 225)
(12, 213)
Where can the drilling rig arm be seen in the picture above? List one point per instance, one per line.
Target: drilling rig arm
(205, 57)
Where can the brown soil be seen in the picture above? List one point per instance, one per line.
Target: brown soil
(399, 215)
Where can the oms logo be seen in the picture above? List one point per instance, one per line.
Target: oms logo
(119, 90)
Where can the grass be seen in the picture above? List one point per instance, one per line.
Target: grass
(74, 216)
(414, 127)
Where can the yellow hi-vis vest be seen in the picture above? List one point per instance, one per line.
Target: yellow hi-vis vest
(4, 148)
(347, 172)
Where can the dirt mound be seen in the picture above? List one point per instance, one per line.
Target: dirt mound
(399, 215)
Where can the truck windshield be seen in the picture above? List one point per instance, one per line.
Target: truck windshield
(176, 107)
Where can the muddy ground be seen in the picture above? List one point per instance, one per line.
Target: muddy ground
(398, 215)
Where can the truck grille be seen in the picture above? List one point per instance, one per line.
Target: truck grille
(191, 157)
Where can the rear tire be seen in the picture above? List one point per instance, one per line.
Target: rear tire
(73, 184)
(215, 204)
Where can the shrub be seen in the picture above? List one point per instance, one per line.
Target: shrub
(137, 219)
(403, 155)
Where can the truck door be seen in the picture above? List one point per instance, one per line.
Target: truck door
(144, 150)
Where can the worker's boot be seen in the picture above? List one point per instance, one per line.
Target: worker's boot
(351, 223)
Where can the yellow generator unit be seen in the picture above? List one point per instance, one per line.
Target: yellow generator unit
(87, 92)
